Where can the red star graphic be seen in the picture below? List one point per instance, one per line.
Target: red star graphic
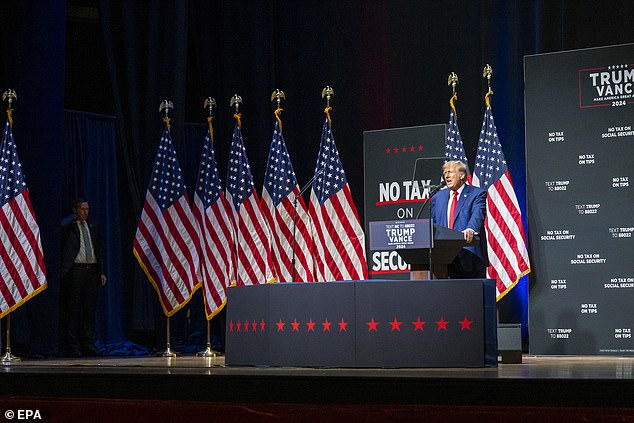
(295, 325)
(411, 148)
(231, 326)
(466, 324)
(404, 149)
(246, 325)
(442, 324)
(396, 325)
(372, 325)
(387, 150)
(396, 149)
(238, 326)
(420, 148)
(326, 325)
(254, 326)
(262, 325)
(311, 325)
(418, 325)
(280, 326)
(343, 326)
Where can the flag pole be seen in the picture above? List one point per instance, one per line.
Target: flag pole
(487, 72)
(9, 358)
(235, 101)
(278, 95)
(9, 95)
(209, 104)
(167, 105)
(328, 92)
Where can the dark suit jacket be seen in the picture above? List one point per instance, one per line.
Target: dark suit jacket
(70, 246)
(470, 213)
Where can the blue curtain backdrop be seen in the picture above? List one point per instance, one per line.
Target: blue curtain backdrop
(92, 172)
(387, 60)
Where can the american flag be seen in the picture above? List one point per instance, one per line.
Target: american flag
(278, 194)
(166, 242)
(338, 235)
(454, 149)
(22, 270)
(211, 211)
(253, 249)
(506, 244)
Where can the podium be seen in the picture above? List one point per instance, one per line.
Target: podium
(418, 241)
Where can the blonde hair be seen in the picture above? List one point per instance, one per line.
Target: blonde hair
(457, 164)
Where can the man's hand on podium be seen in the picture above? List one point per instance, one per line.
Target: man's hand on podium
(468, 235)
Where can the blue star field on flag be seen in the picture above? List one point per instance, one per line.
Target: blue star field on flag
(239, 180)
(329, 170)
(209, 185)
(280, 179)
(454, 148)
(167, 184)
(11, 177)
(490, 162)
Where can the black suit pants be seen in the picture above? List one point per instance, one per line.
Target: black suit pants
(82, 290)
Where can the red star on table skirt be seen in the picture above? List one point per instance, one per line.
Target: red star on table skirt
(343, 326)
(254, 326)
(442, 324)
(238, 326)
(246, 325)
(396, 325)
(262, 325)
(295, 325)
(372, 325)
(418, 324)
(231, 326)
(466, 324)
(311, 325)
(326, 325)
(280, 326)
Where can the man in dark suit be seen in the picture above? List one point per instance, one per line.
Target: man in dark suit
(82, 275)
(462, 207)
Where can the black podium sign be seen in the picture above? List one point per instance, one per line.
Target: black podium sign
(394, 190)
(580, 189)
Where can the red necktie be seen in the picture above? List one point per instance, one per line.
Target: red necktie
(452, 210)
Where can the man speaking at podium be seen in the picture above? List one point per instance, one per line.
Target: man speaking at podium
(462, 207)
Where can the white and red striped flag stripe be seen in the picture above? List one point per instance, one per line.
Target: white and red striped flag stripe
(22, 270)
(278, 195)
(253, 249)
(506, 242)
(337, 232)
(166, 241)
(211, 211)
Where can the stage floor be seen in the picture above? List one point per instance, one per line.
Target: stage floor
(532, 367)
(187, 388)
(573, 381)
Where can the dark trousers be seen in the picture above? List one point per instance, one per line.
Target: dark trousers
(467, 266)
(82, 290)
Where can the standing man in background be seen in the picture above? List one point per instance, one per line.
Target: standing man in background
(82, 275)
(462, 207)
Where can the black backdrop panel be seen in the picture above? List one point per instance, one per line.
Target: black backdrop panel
(392, 189)
(580, 184)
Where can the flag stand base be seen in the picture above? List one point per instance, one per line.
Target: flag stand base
(168, 352)
(8, 357)
(208, 352)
